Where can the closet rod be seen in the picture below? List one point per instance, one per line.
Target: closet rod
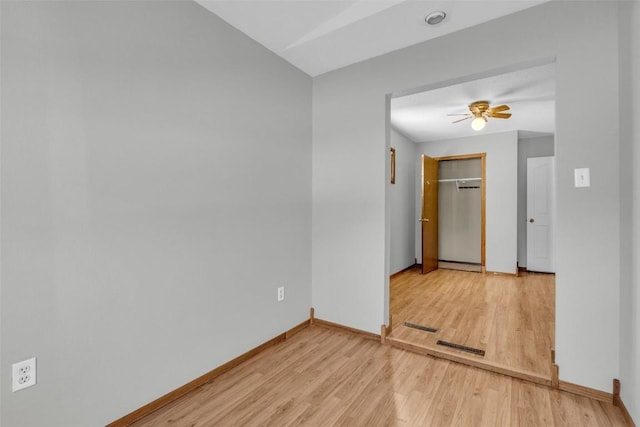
(459, 179)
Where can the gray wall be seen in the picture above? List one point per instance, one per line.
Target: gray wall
(140, 206)
(156, 190)
(527, 148)
(402, 204)
(501, 192)
(350, 267)
(630, 213)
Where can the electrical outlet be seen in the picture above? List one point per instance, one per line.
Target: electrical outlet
(281, 293)
(23, 374)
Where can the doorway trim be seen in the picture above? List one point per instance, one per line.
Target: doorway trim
(483, 214)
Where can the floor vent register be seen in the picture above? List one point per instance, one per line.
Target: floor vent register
(461, 347)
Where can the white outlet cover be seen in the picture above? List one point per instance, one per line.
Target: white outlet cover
(23, 374)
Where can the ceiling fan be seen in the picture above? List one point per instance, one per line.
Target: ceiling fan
(481, 111)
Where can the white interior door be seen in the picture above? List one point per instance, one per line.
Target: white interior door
(541, 214)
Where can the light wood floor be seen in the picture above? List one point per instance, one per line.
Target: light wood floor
(324, 377)
(511, 318)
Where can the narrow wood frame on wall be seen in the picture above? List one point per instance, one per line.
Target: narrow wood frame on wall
(393, 165)
(483, 203)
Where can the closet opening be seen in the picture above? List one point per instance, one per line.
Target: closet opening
(461, 223)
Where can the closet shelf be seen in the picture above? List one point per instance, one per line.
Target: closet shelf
(462, 183)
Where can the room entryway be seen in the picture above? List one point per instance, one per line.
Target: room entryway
(472, 295)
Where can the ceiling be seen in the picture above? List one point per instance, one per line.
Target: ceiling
(318, 36)
(530, 93)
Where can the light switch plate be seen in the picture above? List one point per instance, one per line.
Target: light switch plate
(582, 178)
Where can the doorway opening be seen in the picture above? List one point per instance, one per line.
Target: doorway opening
(469, 297)
(461, 207)
(453, 212)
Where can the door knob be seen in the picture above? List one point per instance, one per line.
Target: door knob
(532, 220)
(423, 220)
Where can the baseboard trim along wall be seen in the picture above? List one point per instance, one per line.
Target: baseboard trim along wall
(364, 334)
(602, 396)
(206, 378)
(384, 331)
(581, 390)
(626, 415)
(383, 338)
(617, 401)
(402, 271)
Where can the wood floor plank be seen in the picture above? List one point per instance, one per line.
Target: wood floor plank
(324, 377)
(512, 319)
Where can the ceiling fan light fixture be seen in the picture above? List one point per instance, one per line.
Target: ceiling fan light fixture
(478, 123)
(434, 18)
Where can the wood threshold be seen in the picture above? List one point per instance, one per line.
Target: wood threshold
(500, 273)
(364, 334)
(581, 390)
(204, 379)
(471, 361)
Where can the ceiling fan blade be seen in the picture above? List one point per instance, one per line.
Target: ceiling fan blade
(500, 115)
(459, 120)
(458, 114)
(498, 109)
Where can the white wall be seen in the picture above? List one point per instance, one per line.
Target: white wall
(632, 387)
(349, 180)
(402, 204)
(501, 187)
(349, 167)
(527, 148)
(630, 215)
(155, 190)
